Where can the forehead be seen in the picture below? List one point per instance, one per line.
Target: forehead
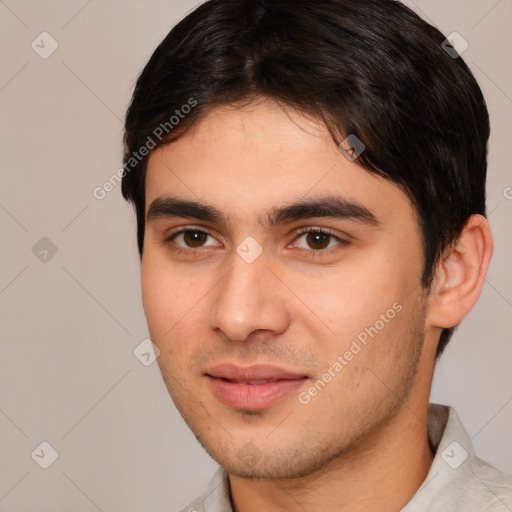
(244, 160)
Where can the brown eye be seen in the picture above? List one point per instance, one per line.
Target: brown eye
(194, 238)
(189, 239)
(317, 240)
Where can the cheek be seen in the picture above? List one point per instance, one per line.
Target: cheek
(174, 309)
(352, 299)
(165, 295)
(366, 306)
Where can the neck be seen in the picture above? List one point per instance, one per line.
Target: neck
(382, 473)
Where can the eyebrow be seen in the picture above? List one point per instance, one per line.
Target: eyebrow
(330, 206)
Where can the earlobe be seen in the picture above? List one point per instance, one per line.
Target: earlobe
(461, 274)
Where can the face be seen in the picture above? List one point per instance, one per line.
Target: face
(281, 283)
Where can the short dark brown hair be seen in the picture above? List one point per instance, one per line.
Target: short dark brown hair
(368, 68)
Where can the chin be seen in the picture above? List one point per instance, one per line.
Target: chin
(289, 463)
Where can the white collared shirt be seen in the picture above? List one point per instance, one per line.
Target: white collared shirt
(458, 481)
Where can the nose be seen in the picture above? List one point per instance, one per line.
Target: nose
(249, 298)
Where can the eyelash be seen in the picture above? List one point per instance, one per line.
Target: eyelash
(318, 253)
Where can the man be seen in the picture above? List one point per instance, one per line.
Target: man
(309, 185)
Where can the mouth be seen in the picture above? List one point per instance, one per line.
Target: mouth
(254, 388)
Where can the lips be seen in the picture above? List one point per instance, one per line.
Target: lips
(255, 387)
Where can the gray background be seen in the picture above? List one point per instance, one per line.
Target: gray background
(70, 323)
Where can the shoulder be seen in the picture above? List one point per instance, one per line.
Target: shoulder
(488, 486)
(458, 480)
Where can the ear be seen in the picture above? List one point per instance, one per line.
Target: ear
(460, 275)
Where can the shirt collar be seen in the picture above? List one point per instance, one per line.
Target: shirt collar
(454, 461)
